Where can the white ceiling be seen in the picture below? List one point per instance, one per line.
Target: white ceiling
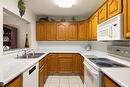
(49, 7)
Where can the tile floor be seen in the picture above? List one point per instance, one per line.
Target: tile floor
(63, 81)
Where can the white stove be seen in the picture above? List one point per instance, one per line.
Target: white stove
(92, 66)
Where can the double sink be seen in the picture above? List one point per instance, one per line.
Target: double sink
(31, 56)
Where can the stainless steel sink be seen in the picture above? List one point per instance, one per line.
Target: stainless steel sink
(31, 56)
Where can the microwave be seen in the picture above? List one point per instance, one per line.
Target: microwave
(111, 29)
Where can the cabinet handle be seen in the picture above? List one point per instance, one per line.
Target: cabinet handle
(31, 70)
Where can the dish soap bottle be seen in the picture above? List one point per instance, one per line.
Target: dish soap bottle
(26, 42)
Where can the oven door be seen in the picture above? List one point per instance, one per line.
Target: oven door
(91, 76)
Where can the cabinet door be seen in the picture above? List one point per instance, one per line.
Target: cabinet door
(82, 30)
(42, 76)
(114, 7)
(102, 13)
(52, 63)
(65, 62)
(94, 26)
(109, 83)
(41, 31)
(15, 83)
(61, 31)
(51, 31)
(126, 18)
(72, 31)
(81, 68)
(89, 30)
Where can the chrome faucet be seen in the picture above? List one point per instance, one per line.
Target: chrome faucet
(24, 53)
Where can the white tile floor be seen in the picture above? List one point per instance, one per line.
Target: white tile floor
(63, 81)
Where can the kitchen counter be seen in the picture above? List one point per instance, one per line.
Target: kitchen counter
(12, 67)
(119, 75)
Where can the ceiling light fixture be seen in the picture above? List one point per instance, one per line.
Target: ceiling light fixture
(65, 3)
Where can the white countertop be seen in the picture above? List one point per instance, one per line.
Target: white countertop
(12, 67)
(119, 75)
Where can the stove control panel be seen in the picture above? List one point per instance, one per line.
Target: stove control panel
(123, 51)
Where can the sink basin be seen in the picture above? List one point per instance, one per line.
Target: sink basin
(31, 56)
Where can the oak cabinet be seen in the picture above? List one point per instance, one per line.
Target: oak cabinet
(17, 82)
(82, 30)
(61, 31)
(46, 31)
(81, 67)
(114, 7)
(41, 28)
(94, 23)
(41, 77)
(43, 71)
(108, 82)
(89, 29)
(72, 32)
(103, 13)
(51, 31)
(52, 63)
(126, 18)
(65, 62)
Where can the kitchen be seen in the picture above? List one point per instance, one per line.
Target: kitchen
(59, 43)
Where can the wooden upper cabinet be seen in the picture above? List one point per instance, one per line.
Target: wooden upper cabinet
(103, 13)
(61, 31)
(89, 29)
(72, 31)
(94, 26)
(114, 7)
(41, 31)
(126, 18)
(51, 31)
(82, 30)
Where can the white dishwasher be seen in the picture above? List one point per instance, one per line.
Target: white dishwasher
(30, 77)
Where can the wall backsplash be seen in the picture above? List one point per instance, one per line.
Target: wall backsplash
(62, 46)
(102, 46)
(75, 46)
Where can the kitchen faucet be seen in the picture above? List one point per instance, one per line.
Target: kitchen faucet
(24, 52)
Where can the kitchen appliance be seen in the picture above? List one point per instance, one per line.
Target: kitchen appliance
(30, 77)
(93, 65)
(111, 29)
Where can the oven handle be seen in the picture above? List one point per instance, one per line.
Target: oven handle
(90, 70)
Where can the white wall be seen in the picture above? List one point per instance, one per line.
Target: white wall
(62, 46)
(11, 5)
(102, 46)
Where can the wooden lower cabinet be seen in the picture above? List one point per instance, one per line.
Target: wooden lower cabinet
(43, 72)
(52, 63)
(60, 63)
(65, 62)
(109, 83)
(17, 82)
